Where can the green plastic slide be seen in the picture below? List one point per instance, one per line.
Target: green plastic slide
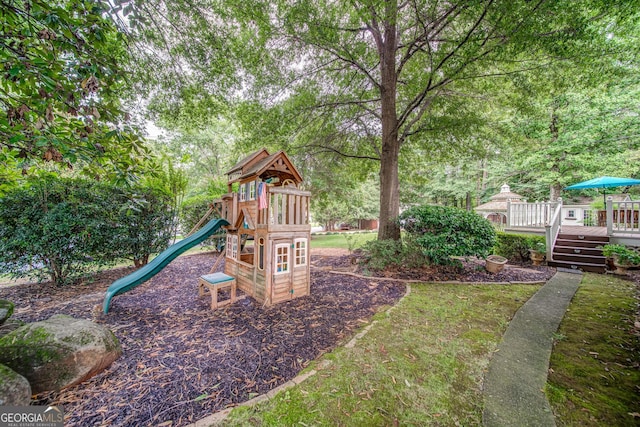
(125, 284)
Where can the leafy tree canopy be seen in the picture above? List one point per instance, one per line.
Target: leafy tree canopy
(62, 87)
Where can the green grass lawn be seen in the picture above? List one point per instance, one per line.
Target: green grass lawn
(421, 364)
(594, 375)
(350, 241)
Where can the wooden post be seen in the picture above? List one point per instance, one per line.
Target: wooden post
(609, 206)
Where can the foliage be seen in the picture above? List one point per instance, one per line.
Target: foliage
(203, 155)
(539, 246)
(61, 229)
(62, 86)
(380, 254)
(193, 209)
(53, 229)
(442, 232)
(167, 181)
(624, 255)
(515, 247)
(143, 223)
(339, 197)
(370, 81)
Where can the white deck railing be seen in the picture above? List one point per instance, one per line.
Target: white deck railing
(530, 215)
(539, 215)
(552, 229)
(623, 217)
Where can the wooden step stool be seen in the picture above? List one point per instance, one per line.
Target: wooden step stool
(214, 282)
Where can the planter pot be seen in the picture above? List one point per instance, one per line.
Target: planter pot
(495, 263)
(621, 266)
(536, 257)
(609, 263)
(621, 269)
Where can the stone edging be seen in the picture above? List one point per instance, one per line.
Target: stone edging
(220, 416)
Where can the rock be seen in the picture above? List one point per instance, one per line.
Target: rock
(59, 352)
(14, 388)
(10, 326)
(6, 310)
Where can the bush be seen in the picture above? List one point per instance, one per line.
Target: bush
(380, 254)
(143, 224)
(440, 233)
(62, 229)
(515, 247)
(51, 229)
(624, 255)
(192, 210)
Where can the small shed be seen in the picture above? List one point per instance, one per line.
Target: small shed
(495, 210)
(267, 248)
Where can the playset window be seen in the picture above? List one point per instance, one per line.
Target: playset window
(282, 258)
(252, 190)
(261, 253)
(301, 252)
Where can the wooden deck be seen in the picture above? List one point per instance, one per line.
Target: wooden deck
(585, 231)
(620, 238)
(625, 239)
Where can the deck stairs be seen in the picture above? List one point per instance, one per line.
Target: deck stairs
(579, 252)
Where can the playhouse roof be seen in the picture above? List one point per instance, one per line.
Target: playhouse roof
(265, 165)
(240, 167)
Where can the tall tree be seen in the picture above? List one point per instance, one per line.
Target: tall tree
(374, 77)
(395, 66)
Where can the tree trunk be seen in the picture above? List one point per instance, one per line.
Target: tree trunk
(555, 188)
(389, 183)
(389, 197)
(554, 192)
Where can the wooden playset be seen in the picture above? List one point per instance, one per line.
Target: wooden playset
(268, 236)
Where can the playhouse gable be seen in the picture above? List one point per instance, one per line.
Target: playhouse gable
(240, 169)
(276, 165)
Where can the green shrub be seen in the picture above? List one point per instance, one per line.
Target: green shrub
(515, 247)
(624, 255)
(380, 254)
(62, 229)
(441, 232)
(51, 229)
(142, 225)
(192, 210)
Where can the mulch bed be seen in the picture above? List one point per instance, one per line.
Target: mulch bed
(181, 361)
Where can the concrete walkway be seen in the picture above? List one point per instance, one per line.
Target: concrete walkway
(514, 384)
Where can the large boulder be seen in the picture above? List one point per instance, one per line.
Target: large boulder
(14, 388)
(10, 326)
(59, 352)
(6, 310)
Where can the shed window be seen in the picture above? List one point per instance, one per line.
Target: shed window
(571, 214)
(242, 192)
(282, 259)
